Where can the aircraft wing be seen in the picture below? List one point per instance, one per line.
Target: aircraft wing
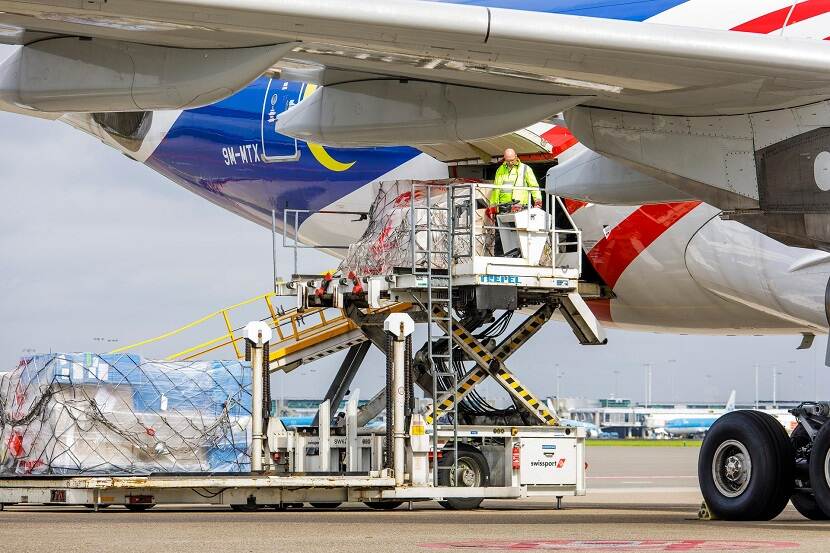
(623, 65)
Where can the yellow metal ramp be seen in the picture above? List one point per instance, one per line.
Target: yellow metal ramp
(299, 336)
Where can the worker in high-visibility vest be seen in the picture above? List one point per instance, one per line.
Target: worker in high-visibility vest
(513, 181)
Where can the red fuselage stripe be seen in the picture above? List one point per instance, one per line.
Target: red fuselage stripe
(776, 20)
(612, 255)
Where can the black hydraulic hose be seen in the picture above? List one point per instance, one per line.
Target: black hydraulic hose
(390, 460)
(409, 378)
(266, 384)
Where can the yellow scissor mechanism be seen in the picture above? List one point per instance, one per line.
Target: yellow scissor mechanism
(492, 364)
(299, 336)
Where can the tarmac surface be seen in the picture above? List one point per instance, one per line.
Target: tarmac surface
(639, 499)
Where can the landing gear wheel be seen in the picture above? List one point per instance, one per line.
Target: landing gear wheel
(820, 469)
(805, 503)
(326, 505)
(746, 467)
(383, 505)
(139, 506)
(803, 499)
(473, 471)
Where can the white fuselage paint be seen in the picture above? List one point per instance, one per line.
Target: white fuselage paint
(705, 275)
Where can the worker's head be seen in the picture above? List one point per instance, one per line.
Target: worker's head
(510, 157)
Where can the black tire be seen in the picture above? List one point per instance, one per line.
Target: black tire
(804, 500)
(246, 507)
(319, 505)
(755, 448)
(139, 506)
(383, 505)
(473, 470)
(806, 504)
(819, 468)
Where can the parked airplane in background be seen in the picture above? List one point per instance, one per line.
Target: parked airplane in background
(676, 110)
(591, 430)
(687, 422)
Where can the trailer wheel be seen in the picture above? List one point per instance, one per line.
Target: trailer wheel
(746, 467)
(473, 471)
(383, 505)
(246, 507)
(820, 469)
(139, 506)
(319, 505)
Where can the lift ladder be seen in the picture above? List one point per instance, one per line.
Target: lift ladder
(439, 247)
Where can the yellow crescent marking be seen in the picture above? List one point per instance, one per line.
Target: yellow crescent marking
(318, 151)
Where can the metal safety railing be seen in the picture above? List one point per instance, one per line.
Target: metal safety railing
(476, 233)
(558, 227)
(294, 330)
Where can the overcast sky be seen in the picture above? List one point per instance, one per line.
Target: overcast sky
(94, 245)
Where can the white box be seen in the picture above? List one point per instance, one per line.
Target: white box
(548, 461)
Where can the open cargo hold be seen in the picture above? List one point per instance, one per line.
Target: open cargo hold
(86, 413)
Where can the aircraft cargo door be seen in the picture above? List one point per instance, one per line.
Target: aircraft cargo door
(279, 96)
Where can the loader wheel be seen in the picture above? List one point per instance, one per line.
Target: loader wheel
(139, 506)
(246, 507)
(746, 467)
(326, 505)
(383, 505)
(473, 471)
(820, 469)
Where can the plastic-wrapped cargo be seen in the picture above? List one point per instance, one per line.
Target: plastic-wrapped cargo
(86, 413)
(387, 243)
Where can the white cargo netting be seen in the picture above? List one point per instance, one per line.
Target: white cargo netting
(86, 413)
(387, 242)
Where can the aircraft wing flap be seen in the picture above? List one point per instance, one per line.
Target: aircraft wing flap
(625, 65)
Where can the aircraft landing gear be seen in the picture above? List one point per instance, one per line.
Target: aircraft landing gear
(804, 498)
(820, 466)
(746, 467)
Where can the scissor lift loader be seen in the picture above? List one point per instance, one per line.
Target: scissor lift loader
(448, 446)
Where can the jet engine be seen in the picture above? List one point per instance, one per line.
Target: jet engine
(396, 112)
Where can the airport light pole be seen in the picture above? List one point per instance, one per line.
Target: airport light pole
(103, 340)
(274, 247)
(673, 379)
(775, 374)
(648, 384)
(756, 386)
(815, 375)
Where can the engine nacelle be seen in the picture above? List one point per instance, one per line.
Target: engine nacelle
(588, 176)
(746, 267)
(397, 112)
(73, 74)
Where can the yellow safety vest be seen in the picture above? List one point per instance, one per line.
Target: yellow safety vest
(507, 178)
